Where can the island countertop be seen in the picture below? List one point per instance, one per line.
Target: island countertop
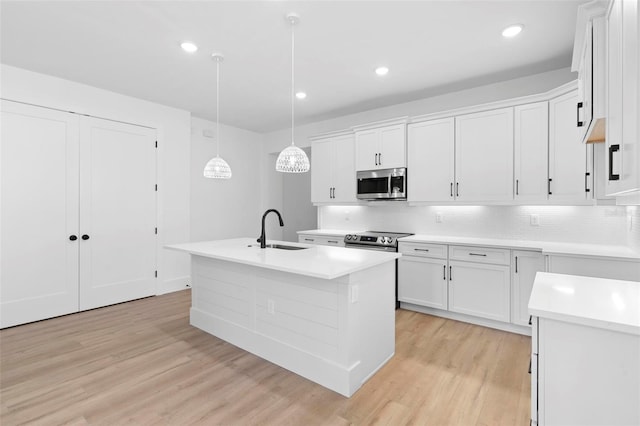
(314, 261)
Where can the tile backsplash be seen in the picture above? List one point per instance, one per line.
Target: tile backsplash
(581, 224)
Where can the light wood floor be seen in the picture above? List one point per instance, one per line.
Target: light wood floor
(142, 363)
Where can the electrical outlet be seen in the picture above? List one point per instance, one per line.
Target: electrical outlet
(535, 220)
(439, 217)
(271, 306)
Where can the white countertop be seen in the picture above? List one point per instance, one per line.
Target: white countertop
(315, 261)
(546, 247)
(595, 302)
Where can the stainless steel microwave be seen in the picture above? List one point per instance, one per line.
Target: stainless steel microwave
(384, 184)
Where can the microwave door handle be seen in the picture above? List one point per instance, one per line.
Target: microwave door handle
(389, 186)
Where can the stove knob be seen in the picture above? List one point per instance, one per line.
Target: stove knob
(347, 237)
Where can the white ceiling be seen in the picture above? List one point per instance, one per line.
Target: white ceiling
(132, 47)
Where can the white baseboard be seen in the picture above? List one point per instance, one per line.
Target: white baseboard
(176, 284)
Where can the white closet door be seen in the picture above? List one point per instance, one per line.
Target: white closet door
(38, 213)
(117, 212)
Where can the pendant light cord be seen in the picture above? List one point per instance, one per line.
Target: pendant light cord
(293, 24)
(217, 107)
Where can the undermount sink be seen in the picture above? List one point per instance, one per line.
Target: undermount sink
(280, 246)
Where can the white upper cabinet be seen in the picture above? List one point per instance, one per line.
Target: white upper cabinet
(381, 148)
(332, 170)
(484, 156)
(531, 151)
(589, 60)
(431, 156)
(623, 98)
(568, 179)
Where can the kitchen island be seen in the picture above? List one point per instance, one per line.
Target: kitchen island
(325, 313)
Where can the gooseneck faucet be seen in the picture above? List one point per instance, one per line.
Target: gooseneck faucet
(263, 239)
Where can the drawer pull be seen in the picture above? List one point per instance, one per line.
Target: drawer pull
(332, 242)
(478, 254)
(444, 272)
(529, 366)
(530, 319)
(450, 273)
(417, 249)
(309, 239)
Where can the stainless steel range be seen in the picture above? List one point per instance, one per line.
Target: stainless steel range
(375, 240)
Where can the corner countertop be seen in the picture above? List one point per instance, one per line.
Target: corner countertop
(546, 247)
(315, 261)
(595, 302)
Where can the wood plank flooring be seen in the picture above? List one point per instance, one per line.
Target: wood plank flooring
(142, 363)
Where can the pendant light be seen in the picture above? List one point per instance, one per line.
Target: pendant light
(292, 159)
(217, 168)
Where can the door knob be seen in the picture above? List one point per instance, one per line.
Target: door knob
(85, 237)
(73, 237)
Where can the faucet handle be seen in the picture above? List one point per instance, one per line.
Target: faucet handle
(259, 240)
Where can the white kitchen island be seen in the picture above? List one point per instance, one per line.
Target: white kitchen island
(325, 313)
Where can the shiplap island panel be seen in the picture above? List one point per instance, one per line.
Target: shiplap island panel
(325, 313)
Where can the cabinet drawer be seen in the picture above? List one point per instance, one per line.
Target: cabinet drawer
(479, 254)
(437, 251)
(325, 240)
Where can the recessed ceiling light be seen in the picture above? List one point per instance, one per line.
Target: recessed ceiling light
(512, 30)
(188, 47)
(382, 70)
(301, 95)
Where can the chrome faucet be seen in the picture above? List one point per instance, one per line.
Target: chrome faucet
(263, 239)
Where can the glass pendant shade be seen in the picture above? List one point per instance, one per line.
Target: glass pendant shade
(217, 168)
(292, 160)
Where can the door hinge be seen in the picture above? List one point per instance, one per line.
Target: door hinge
(156, 274)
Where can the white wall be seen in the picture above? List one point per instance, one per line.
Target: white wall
(580, 224)
(173, 132)
(222, 208)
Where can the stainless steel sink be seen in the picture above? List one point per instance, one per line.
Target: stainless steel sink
(280, 246)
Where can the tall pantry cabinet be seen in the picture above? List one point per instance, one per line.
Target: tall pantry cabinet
(77, 213)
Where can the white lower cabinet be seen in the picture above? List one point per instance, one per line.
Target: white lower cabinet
(422, 279)
(323, 240)
(524, 266)
(481, 290)
(78, 213)
(472, 281)
(583, 375)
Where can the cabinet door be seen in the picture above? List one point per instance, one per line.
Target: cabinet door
(367, 149)
(117, 212)
(431, 159)
(525, 265)
(321, 170)
(422, 281)
(393, 147)
(480, 290)
(484, 156)
(531, 151)
(614, 98)
(39, 212)
(585, 84)
(343, 166)
(567, 154)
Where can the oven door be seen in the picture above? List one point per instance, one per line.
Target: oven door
(371, 247)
